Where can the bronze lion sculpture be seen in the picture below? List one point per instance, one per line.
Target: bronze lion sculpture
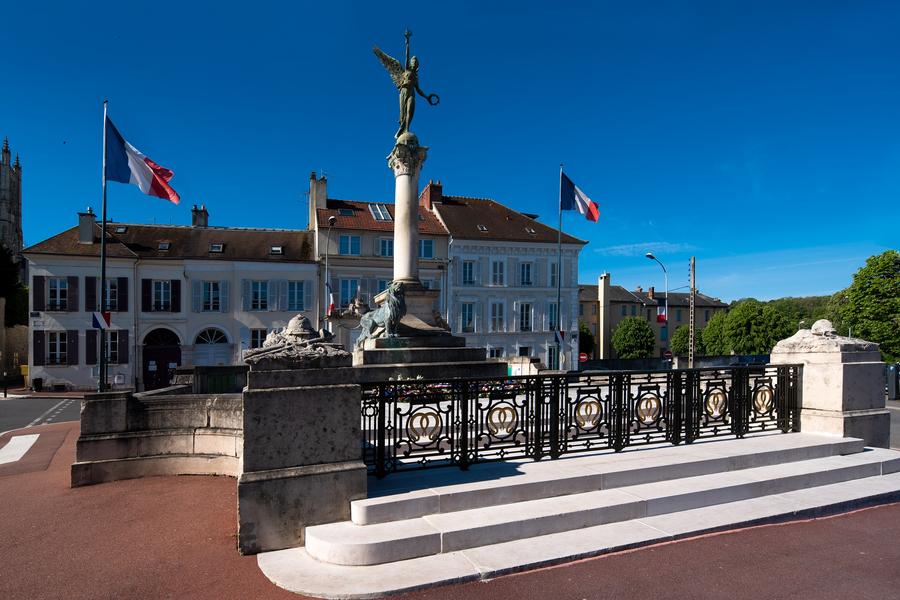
(385, 318)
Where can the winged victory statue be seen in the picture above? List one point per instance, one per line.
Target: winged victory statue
(406, 78)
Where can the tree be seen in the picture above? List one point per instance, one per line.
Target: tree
(633, 338)
(713, 336)
(680, 342)
(585, 339)
(752, 327)
(872, 306)
(806, 310)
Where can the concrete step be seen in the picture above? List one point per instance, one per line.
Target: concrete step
(295, 570)
(492, 484)
(349, 544)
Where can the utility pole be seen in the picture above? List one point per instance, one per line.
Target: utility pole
(691, 349)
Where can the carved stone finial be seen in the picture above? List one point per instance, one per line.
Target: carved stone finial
(407, 156)
(297, 346)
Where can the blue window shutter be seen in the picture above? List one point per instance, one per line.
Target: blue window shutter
(245, 341)
(224, 296)
(307, 295)
(283, 295)
(272, 294)
(196, 295)
(245, 296)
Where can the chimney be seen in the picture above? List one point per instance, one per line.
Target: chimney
(86, 222)
(199, 216)
(639, 289)
(650, 293)
(318, 197)
(431, 195)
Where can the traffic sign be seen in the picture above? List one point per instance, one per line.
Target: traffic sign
(582, 357)
(667, 355)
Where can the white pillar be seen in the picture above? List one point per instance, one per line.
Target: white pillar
(406, 162)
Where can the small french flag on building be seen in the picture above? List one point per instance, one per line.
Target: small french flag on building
(572, 198)
(100, 320)
(125, 164)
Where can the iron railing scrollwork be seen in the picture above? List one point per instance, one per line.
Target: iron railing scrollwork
(428, 423)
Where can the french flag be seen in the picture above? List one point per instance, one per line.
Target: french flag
(572, 198)
(125, 164)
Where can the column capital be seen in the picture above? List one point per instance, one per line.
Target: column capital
(407, 159)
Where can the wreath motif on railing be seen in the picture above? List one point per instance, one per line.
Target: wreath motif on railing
(716, 403)
(648, 408)
(764, 399)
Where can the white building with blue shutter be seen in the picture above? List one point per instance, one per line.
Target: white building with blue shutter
(178, 296)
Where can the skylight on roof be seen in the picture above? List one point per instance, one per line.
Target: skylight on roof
(531, 230)
(164, 245)
(276, 250)
(380, 212)
(482, 228)
(216, 247)
(345, 212)
(121, 229)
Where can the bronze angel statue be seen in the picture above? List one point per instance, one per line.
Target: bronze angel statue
(407, 81)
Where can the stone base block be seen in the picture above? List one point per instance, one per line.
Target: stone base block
(873, 426)
(275, 507)
(414, 356)
(102, 471)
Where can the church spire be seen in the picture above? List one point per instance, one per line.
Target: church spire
(18, 165)
(4, 154)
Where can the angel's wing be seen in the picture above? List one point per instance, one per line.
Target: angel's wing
(392, 65)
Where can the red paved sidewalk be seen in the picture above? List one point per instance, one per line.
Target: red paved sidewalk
(173, 537)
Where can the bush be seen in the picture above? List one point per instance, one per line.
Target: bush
(633, 338)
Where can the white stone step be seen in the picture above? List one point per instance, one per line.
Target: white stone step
(349, 544)
(494, 484)
(295, 570)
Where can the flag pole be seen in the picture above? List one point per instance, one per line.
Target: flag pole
(101, 380)
(559, 275)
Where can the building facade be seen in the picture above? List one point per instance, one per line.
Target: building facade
(503, 279)
(603, 306)
(177, 296)
(10, 201)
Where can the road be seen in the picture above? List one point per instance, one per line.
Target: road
(25, 412)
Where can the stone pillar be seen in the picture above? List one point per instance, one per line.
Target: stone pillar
(843, 384)
(406, 161)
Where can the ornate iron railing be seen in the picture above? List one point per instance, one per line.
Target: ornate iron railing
(428, 423)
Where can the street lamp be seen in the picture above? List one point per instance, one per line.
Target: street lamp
(331, 221)
(666, 276)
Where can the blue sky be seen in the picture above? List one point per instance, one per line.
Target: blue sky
(761, 137)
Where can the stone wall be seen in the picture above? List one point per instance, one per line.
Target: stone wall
(164, 432)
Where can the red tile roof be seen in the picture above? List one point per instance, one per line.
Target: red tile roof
(462, 217)
(362, 218)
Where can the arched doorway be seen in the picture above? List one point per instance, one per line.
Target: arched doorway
(211, 347)
(162, 354)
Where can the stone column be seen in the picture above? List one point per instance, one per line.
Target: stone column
(843, 384)
(406, 161)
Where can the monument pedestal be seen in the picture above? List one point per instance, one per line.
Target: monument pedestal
(843, 384)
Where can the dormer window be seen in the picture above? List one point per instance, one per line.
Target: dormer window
(345, 212)
(279, 250)
(482, 228)
(530, 230)
(121, 229)
(164, 245)
(217, 248)
(380, 212)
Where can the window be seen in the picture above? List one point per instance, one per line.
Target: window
(386, 247)
(468, 272)
(276, 250)
(212, 300)
(525, 273)
(164, 245)
(553, 273)
(706, 315)
(349, 287)
(121, 229)
(633, 310)
(162, 295)
(553, 316)
(678, 314)
(497, 274)
(664, 333)
(216, 248)
(552, 357)
(530, 230)
(624, 310)
(213, 336)
(648, 314)
(524, 350)
(112, 296)
(56, 348)
(482, 228)
(581, 310)
(427, 284)
(467, 317)
(349, 245)
(112, 347)
(426, 248)
(497, 316)
(58, 294)
(345, 212)
(257, 338)
(525, 316)
(382, 284)
(259, 295)
(593, 309)
(295, 295)
(380, 212)
(495, 352)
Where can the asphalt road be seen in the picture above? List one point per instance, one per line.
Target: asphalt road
(25, 412)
